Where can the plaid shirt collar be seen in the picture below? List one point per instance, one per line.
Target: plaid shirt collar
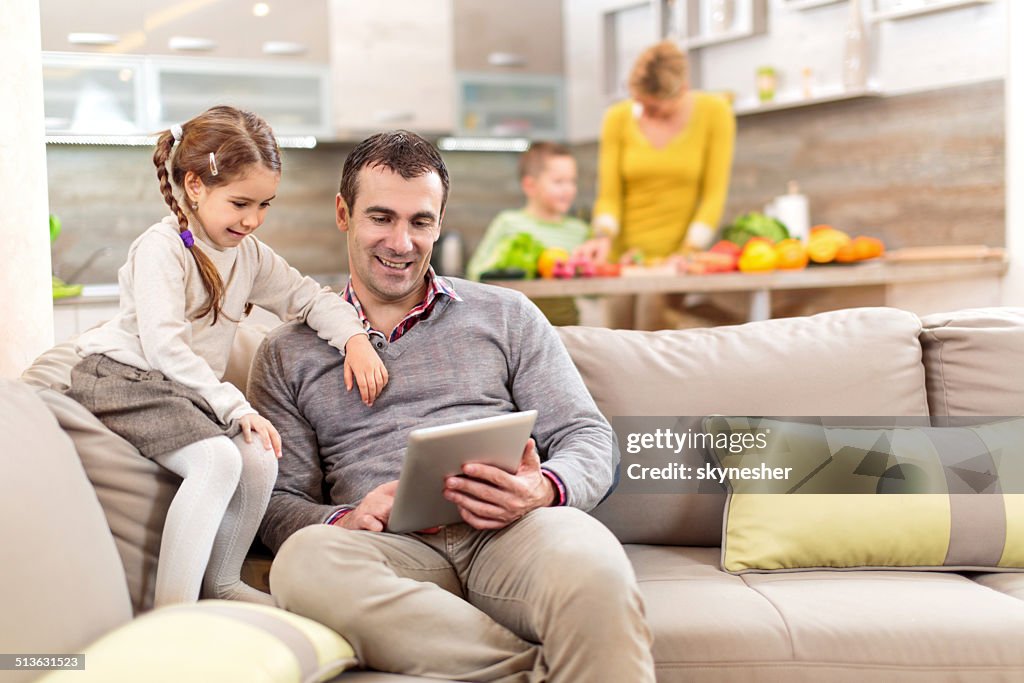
(436, 287)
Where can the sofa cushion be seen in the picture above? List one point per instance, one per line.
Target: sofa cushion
(864, 361)
(974, 361)
(812, 496)
(844, 627)
(62, 582)
(1011, 584)
(215, 640)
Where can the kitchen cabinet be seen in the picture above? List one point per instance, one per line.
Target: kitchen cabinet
(293, 98)
(146, 27)
(710, 22)
(523, 37)
(891, 10)
(100, 303)
(393, 68)
(71, 317)
(521, 105)
(508, 61)
(93, 94)
(97, 94)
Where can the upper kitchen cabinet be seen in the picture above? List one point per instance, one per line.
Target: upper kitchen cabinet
(392, 66)
(111, 68)
(234, 29)
(508, 37)
(94, 94)
(98, 94)
(293, 98)
(509, 63)
(701, 23)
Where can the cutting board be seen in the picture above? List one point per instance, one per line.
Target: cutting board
(946, 252)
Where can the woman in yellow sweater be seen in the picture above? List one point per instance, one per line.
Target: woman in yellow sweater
(665, 158)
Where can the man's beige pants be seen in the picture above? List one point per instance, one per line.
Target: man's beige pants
(549, 598)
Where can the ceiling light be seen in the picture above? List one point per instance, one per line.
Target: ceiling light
(92, 38)
(289, 141)
(483, 144)
(283, 47)
(190, 44)
(509, 59)
(260, 9)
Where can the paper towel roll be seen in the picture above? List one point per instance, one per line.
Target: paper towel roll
(794, 211)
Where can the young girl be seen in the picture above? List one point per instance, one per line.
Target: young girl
(153, 373)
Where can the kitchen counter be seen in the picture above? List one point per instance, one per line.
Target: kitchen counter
(916, 286)
(92, 294)
(99, 303)
(108, 293)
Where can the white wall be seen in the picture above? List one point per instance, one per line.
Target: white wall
(921, 53)
(1013, 284)
(585, 62)
(26, 305)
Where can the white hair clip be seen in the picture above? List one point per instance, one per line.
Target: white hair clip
(176, 132)
(213, 164)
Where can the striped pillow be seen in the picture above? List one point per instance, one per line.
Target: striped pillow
(869, 497)
(214, 640)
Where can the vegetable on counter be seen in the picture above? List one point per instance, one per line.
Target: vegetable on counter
(520, 251)
(758, 256)
(827, 245)
(755, 224)
(549, 259)
(791, 254)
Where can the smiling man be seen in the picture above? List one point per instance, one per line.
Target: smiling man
(529, 587)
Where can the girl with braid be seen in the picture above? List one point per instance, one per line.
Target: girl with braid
(153, 373)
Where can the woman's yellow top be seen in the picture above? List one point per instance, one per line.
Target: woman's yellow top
(654, 194)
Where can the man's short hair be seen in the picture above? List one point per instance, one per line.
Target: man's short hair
(399, 151)
(531, 162)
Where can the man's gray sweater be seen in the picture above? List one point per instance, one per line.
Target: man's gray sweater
(491, 353)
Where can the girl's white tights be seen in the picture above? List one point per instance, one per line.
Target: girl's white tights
(213, 519)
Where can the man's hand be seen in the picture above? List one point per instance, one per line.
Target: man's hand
(491, 498)
(373, 512)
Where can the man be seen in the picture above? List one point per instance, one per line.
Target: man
(529, 588)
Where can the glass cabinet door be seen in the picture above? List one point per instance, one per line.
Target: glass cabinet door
(93, 94)
(294, 100)
(512, 105)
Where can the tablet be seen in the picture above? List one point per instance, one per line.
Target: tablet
(435, 453)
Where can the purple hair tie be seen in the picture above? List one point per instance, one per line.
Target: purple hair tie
(186, 237)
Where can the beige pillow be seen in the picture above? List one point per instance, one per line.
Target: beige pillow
(974, 360)
(862, 361)
(62, 582)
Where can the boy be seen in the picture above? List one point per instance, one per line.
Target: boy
(547, 174)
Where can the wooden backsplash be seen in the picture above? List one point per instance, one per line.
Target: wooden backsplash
(918, 169)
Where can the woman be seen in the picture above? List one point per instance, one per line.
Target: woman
(665, 157)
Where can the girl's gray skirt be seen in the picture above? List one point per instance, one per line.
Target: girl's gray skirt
(153, 413)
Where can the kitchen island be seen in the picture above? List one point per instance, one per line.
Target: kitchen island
(919, 286)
